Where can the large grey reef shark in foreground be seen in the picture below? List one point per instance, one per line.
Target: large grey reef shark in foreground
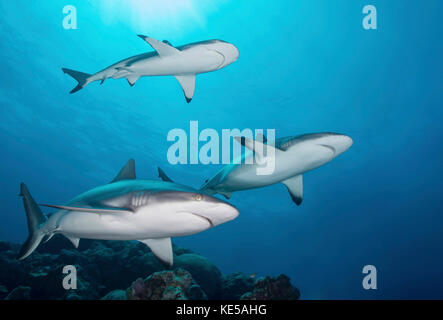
(293, 157)
(183, 62)
(128, 209)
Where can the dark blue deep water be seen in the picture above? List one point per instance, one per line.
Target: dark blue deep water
(304, 66)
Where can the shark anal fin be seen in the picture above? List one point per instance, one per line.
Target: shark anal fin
(295, 188)
(187, 83)
(127, 172)
(161, 248)
(75, 241)
(162, 175)
(163, 49)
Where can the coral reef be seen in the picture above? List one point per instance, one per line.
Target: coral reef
(120, 270)
(235, 285)
(166, 285)
(269, 288)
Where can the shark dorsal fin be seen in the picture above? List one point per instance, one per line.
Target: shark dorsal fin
(261, 137)
(167, 42)
(162, 48)
(127, 172)
(162, 175)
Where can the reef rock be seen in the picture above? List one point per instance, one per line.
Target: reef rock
(19, 293)
(205, 273)
(105, 269)
(165, 285)
(235, 285)
(3, 292)
(268, 288)
(115, 295)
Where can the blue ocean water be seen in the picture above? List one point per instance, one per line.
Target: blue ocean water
(304, 66)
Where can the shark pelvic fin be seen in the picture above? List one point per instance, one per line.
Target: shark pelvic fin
(161, 248)
(162, 175)
(187, 83)
(132, 79)
(127, 172)
(295, 188)
(163, 49)
(75, 241)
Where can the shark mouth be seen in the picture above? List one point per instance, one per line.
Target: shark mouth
(202, 217)
(224, 58)
(329, 147)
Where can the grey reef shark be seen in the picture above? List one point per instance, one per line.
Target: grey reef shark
(293, 157)
(127, 209)
(183, 62)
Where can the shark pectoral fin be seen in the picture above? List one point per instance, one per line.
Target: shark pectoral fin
(127, 172)
(187, 83)
(227, 195)
(91, 210)
(132, 79)
(161, 248)
(295, 188)
(163, 49)
(75, 241)
(162, 175)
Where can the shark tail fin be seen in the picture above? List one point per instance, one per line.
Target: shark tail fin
(35, 219)
(82, 78)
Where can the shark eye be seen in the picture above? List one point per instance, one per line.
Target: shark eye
(198, 197)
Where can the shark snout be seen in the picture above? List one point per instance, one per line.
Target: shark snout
(339, 143)
(219, 213)
(345, 143)
(235, 53)
(229, 52)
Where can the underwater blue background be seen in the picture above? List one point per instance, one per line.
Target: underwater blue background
(304, 66)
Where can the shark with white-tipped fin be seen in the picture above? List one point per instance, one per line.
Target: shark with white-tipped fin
(183, 62)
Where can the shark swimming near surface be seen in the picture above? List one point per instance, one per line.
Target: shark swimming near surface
(293, 157)
(127, 209)
(183, 62)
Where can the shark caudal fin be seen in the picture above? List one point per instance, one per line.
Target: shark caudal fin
(82, 78)
(35, 218)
